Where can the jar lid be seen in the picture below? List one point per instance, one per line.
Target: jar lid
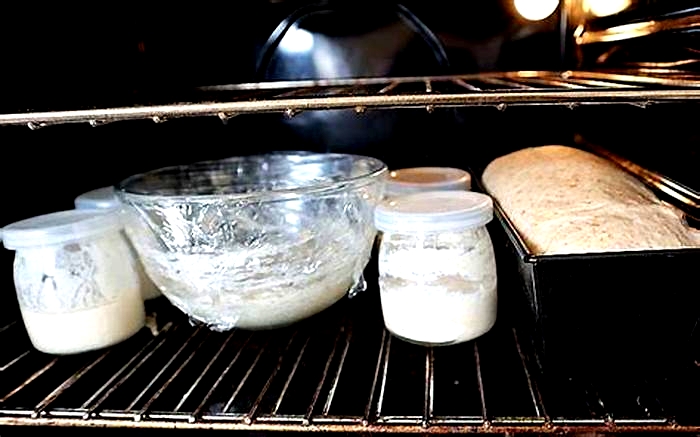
(101, 198)
(434, 211)
(420, 179)
(58, 227)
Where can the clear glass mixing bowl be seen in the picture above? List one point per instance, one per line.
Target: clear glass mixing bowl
(259, 241)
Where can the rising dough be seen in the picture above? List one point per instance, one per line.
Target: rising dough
(564, 200)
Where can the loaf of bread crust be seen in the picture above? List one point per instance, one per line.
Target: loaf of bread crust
(564, 200)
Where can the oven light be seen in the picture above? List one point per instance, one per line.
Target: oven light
(603, 8)
(535, 10)
(297, 41)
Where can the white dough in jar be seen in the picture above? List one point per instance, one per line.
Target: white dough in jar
(77, 286)
(437, 271)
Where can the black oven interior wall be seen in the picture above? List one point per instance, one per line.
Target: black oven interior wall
(59, 54)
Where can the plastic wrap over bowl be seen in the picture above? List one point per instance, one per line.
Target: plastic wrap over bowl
(259, 241)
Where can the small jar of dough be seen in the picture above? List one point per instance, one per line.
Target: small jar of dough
(437, 271)
(420, 179)
(106, 199)
(76, 282)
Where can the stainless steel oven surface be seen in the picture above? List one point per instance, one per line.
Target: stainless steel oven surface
(92, 98)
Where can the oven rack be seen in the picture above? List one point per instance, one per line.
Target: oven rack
(499, 90)
(338, 372)
(682, 20)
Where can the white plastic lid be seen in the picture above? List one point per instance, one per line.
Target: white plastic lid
(434, 211)
(58, 227)
(101, 198)
(420, 179)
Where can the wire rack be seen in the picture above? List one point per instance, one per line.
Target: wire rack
(683, 20)
(340, 371)
(571, 88)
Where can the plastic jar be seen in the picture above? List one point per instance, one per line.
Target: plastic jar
(101, 198)
(77, 286)
(105, 198)
(421, 179)
(437, 271)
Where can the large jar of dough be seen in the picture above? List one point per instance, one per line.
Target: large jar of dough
(437, 272)
(106, 199)
(77, 285)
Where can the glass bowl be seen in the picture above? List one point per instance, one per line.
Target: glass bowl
(259, 241)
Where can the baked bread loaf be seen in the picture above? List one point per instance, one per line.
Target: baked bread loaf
(564, 200)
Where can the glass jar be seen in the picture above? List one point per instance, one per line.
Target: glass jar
(77, 285)
(437, 270)
(105, 198)
(421, 179)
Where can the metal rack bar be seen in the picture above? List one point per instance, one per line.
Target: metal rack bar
(639, 29)
(639, 80)
(48, 400)
(8, 326)
(336, 378)
(170, 380)
(14, 361)
(110, 386)
(592, 83)
(256, 404)
(532, 386)
(204, 372)
(295, 367)
(429, 387)
(265, 426)
(509, 88)
(165, 112)
(389, 87)
(380, 360)
(393, 82)
(197, 412)
(385, 373)
(324, 376)
(466, 85)
(242, 382)
(664, 65)
(506, 83)
(553, 83)
(480, 382)
(162, 371)
(29, 380)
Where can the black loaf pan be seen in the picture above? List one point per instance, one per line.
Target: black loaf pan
(617, 314)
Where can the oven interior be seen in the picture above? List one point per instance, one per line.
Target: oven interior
(340, 371)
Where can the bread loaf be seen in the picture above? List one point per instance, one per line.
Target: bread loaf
(564, 200)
